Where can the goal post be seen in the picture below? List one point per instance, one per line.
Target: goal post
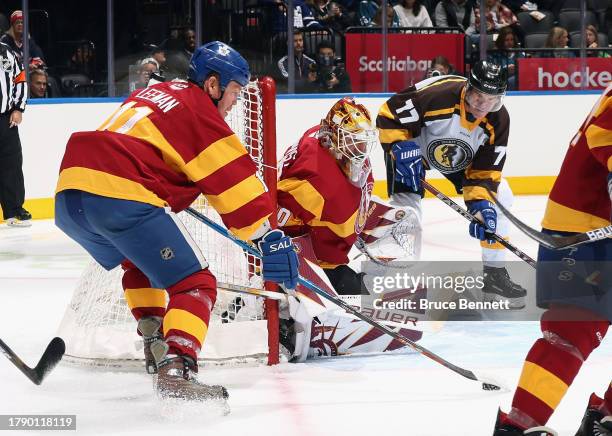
(99, 329)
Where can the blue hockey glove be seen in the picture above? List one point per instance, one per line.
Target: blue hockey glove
(409, 168)
(279, 259)
(483, 230)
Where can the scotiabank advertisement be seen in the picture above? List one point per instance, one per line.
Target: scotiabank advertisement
(539, 74)
(408, 58)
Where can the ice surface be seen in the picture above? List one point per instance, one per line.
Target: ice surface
(401, 393)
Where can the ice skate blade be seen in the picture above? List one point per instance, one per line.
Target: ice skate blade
(175, 408)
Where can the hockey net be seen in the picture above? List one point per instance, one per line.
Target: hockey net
(99, 329)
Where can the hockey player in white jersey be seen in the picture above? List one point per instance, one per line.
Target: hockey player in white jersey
(459, 127)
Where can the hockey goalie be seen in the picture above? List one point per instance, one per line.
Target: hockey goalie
(325, 204)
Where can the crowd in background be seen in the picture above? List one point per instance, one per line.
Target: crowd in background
(513, 27)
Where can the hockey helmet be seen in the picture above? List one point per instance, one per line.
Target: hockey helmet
(348, 132)
(218, 57)
(490, 82)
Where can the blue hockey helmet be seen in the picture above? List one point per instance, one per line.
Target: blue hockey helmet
(218, 57)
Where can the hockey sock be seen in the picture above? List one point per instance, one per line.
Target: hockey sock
(553, 362)
(188, 314)
(142, 299)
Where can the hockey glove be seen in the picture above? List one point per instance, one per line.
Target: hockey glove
(279, 259)
(409, 168)
(484, 210)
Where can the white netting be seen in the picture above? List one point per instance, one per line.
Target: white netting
(98, 327)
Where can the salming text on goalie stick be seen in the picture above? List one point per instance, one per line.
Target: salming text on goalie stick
(468, 216)
(51, 357)
(555, 242)
(486, 385)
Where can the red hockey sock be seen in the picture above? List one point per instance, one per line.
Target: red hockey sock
(553, 362)
(142, 299)
(188, 314)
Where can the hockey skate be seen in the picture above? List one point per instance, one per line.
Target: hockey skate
(503, 427)
(499, 287)
(176, 379)
(22, 219)
(594, 422)
(149, 328)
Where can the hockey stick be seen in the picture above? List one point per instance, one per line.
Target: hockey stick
(252, 291)
(554, 242)
(51, 357)
(486, 385)
(468, 216)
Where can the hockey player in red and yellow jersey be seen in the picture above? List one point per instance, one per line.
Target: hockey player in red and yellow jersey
(575, 285)
(119, 189)
(325, 185)
(324, 190)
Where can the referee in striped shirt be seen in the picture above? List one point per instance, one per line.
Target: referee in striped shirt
(13, 96)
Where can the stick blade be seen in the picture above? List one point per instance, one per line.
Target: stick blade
(50, 358)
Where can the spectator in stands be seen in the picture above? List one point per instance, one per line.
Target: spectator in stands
(38, 83)
(553, 6)
(497, 15)
(147, 67)
(456, 13)
(331, 15)
(328, 74)
(159, 54)
(591, 41)
(81, 61)
(440, 66)
(505, 41)
(302, 63)
(14, 39)
(366, 12)
(557, 38)
(412, 13)
(303, 16)
(392, 18)
(177, 63)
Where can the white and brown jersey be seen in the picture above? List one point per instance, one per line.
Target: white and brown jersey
(432, 113)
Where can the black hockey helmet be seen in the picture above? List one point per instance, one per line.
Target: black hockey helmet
(486, 87)
(488, 78)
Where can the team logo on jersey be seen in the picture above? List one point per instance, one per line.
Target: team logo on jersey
(179, 85)
(166, 253)
(5, 63)
(449, 155)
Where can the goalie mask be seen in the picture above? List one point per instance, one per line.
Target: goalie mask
(348, 133)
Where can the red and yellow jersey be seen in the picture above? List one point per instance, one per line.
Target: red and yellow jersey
(579, 200)
(432, 113)
(164, 146)
(316, 198)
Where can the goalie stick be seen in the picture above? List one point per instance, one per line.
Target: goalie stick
(51, 357)
(486, 385)
(554, 242)
(468, 216)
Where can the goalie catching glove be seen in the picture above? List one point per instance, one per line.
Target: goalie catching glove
(279, 259)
